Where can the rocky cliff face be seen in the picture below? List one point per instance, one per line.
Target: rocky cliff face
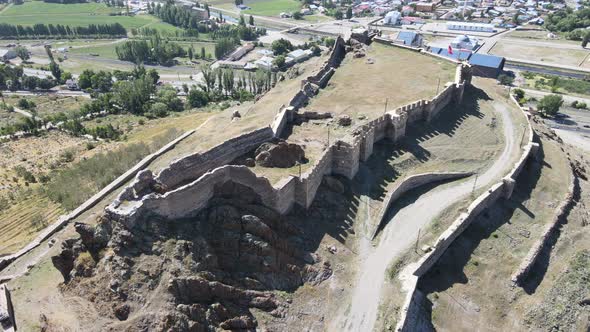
(197, 274)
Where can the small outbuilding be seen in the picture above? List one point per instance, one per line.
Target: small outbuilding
(410, 38)
(7, 54)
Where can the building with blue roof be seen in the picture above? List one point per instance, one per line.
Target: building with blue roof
(487, 65)
(484, 65)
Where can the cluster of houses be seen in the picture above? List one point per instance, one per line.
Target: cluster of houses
(264, 58)
(480, 15)
(462, 48)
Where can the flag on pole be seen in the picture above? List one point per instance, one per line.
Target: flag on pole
(450, 50)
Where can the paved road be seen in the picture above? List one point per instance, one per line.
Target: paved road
(64, 93)
(402, 230)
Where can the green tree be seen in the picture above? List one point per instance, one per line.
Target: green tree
(297, 16)
(158, 110)
(281, 46)
(22, 53)
(153, 75)
(280, 62)
(251, 20)
(242, 20)
(190, 53)
(133, 96)
(550, 104)
(85, 79)
(338, 15)
(55, 70)
(349, 13)
(586, 39)
(197, 98)
(203, 55)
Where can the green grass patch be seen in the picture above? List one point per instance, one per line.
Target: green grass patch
(79, 14)
(105, 51)
(271, 7)
(71, 187)
(557, 84)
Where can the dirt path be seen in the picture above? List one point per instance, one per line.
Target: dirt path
(402, 230)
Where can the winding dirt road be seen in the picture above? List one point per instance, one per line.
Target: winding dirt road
(402, 230)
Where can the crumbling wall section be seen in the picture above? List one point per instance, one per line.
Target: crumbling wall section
(559, 215)
(189, 199)
(193, 166)
(7, 310)
(281, 120)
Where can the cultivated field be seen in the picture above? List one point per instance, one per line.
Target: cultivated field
(79, 14)
(25, 207)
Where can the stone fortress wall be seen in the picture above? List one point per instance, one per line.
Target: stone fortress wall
(411, 275)
(190, 181)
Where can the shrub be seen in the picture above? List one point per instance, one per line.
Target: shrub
(197, 98)
(25, 174)
(550, 104)
(518, 93)
(67, 156)
(505, 79)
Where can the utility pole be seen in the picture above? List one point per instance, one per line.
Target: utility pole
(417, 241)
(438, 85)
(474, 184)
(385, 110)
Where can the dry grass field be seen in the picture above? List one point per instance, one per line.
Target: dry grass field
(559, 55)
(473, 277)
(360, 90)
(50, 104)
(25, 207)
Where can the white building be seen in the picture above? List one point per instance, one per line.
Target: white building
(392, 18)
(468, 26)
(465, 42)
(299, 55)
(6, 54)
(265, 62)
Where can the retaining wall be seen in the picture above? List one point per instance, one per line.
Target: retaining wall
(501, 189)
(410, 183)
